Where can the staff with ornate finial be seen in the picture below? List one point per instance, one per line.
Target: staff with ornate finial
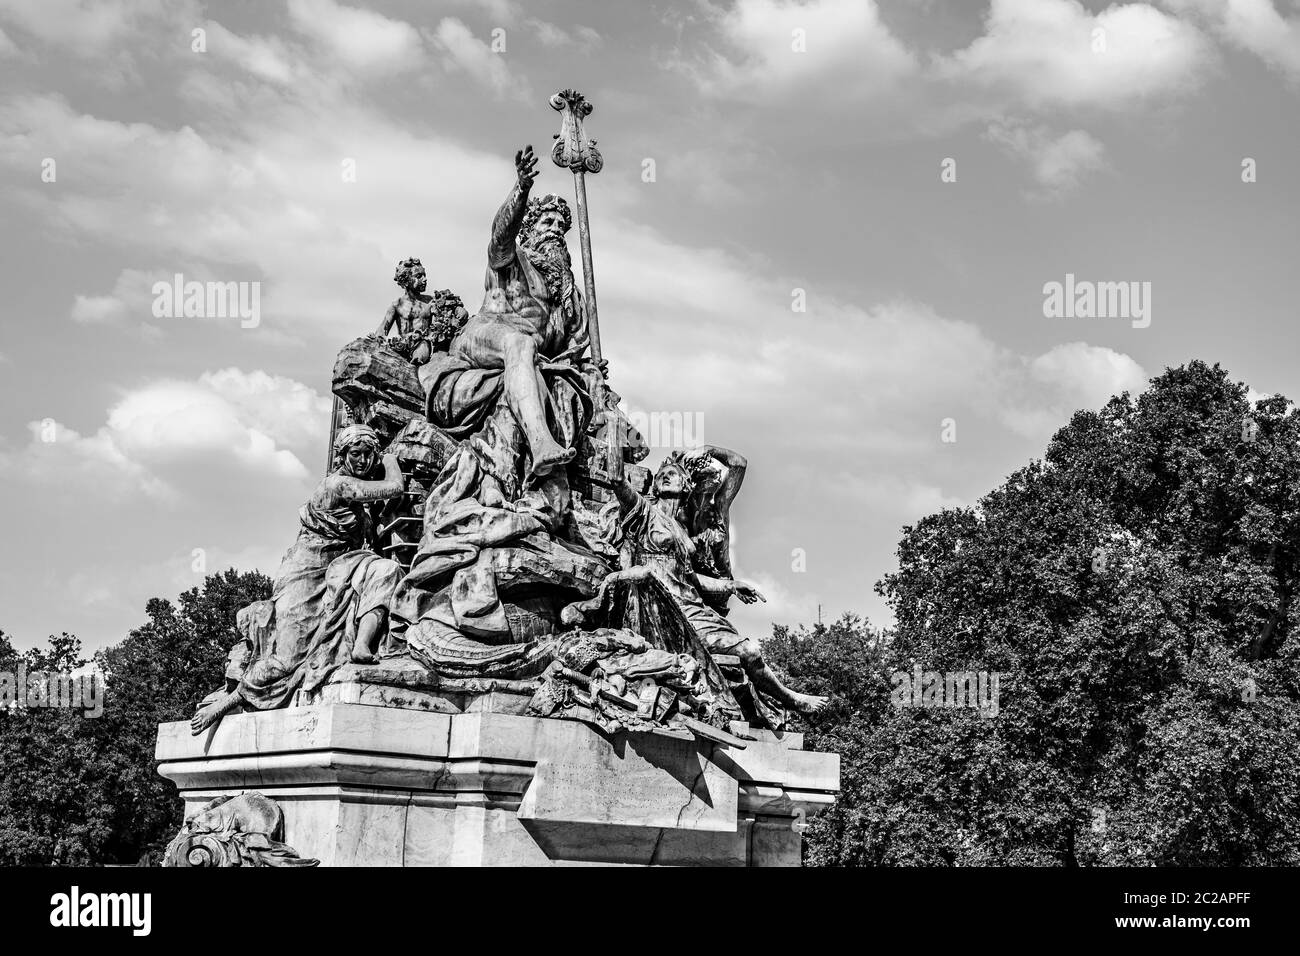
(573, 151)
(336, 422)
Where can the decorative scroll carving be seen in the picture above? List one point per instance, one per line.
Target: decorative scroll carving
(234, 831)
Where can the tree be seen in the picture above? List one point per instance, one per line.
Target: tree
(157, 675)
(78, 790)
(1135, 591)
(49, 800)
(844, 661)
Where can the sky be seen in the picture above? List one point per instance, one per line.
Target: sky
(823, 237)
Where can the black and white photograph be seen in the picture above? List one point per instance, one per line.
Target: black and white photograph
(856, 437)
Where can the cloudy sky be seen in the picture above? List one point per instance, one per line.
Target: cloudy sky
(919, 169)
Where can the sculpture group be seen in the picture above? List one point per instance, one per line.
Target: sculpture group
(485, 517)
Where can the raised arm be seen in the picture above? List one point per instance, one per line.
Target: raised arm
(505, 226)
(735, 464)
(627, 496)
(346, 489)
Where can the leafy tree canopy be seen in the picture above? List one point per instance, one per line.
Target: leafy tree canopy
(77, 790)
(1136, 592)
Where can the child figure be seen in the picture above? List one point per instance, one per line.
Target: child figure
(411, 313)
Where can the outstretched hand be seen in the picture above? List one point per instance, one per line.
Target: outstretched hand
(526, 167)
(747, 592)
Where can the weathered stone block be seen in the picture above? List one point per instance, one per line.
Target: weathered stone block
(380, 387)
(422, 447)
(384, 786)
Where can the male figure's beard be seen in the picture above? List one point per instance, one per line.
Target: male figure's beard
(550, 256)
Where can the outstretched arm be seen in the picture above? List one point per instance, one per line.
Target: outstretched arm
(714, 587)
(627, 496)
(346, 489)
(725, 587)
(505, 227)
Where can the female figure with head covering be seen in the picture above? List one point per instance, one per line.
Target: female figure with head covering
(717, 474)
(331, 592)
(656, 542)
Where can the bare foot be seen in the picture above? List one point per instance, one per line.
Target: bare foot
(808, 704)
(210, 711)
(361, 655)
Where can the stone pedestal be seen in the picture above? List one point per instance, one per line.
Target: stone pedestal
(364, 785)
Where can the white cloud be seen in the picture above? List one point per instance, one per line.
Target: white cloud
(859, 391)
(267, 58)
(267, 204)
(848, 52)
(1256, 26)
(90, 27)
(130, 297)
(1035, 56)
(463, 52)
(852, 368)
(289, 411)
(1043, 54)
(130, 304)
(1058, 163)
(230, 413)
(782, 605)
(96, 309)
(229, 421)
(362, 40)
(499, 11)
(509, 13)
(7, 47)
(60, 457)
(550, 35)
(587, 38)
(1064, 379)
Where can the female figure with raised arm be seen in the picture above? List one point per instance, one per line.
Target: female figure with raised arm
(655, 541)
(331, 592)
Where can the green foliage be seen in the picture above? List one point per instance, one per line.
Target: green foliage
(1136, 590)
(75, 790)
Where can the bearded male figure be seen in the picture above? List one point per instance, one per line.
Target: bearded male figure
(532, 320)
